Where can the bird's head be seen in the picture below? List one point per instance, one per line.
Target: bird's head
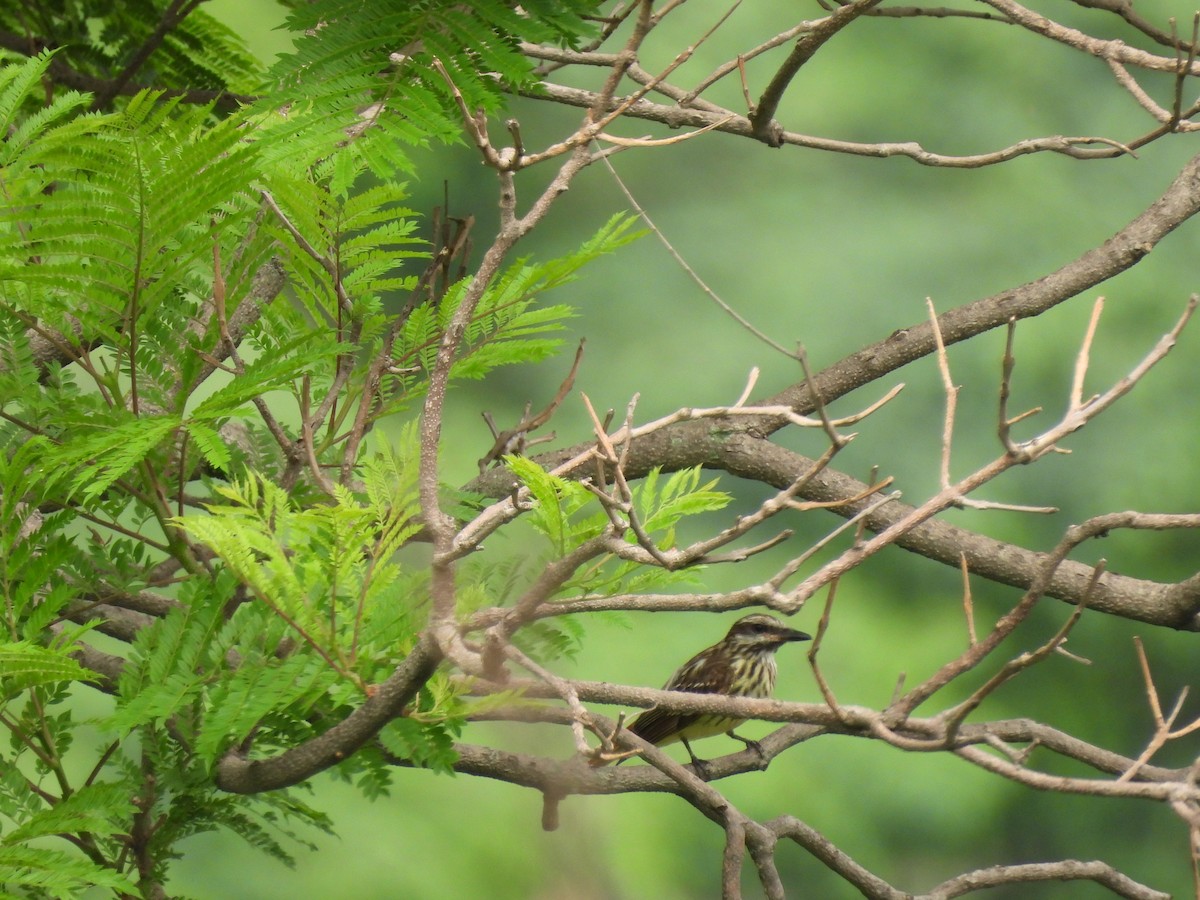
(762, 633)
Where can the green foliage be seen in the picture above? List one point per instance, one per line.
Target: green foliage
(239, 704)
(557, 500)
(99, 809)
(567, 515)
(95, 459)
(129, 225)
(507, 327)
(369, 232)
(98, 39)
(429, 745)
(335, 71)
(551, 639)
(30, 135)
(662, 504)
(328, 570)
(53, 873)
(177, 470)
(169, 664)
(24, 665)
(32, 555)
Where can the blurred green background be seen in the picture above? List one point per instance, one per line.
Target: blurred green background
(834, 252)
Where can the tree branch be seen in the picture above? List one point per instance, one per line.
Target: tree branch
(762, 117)
(238, 774)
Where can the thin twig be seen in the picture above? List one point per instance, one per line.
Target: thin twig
(691, 273)
(968, 605)
(1081, 360)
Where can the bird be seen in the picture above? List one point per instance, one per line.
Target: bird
(740, 665)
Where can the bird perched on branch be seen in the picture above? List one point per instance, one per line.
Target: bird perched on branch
(741, 665)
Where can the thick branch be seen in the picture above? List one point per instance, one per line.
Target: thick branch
(1122, 251)
(732, 446)
(1170, 605)
(699, 443)
(572, 776)
(240, 775)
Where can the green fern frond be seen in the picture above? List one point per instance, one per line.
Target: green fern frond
(98, 809)
(328, 570)
(551, 639)
(42, 872)
(426, 744)
(155, 703)
(210, 445)
(129, 226)
(256, 822)
(294, 358)
(93, 460)
(23, 128)
(550, 515)
(335, 71)
(507, 327)
(98, 40)
(238, 703)
(205, 52)
(681, 495)
(166, 669)
(24, 665)
(370, 233)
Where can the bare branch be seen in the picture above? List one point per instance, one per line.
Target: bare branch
(675, 116)
(1064, 870)
(1163, 725)
(1101, 49)
(762, 117)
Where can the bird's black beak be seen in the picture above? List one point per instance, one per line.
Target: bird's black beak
(793, 635)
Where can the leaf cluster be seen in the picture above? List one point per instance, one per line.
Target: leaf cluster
(441, 53)
(566, 514)
(192, 495)
(93, 41)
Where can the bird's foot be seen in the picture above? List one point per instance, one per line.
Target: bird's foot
(751, 745)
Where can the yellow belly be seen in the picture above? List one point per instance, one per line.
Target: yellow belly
(705, 726)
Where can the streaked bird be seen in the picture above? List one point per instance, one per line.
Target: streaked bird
(741, 665)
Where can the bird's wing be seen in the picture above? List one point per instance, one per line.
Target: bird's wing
(695, 676)
(656, 725)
